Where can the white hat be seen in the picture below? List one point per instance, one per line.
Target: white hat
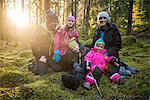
(103, 14)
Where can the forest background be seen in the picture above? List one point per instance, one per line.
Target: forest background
(19, 18)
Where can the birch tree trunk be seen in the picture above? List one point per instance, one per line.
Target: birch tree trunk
(87, 17)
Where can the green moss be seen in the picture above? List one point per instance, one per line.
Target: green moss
(17, 83)
(128, 40)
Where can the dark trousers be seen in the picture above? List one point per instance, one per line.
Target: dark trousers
(97, 73)
(67, 61)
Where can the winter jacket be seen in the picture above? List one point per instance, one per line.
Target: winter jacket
(61, 39)
(111, 38)
(97, 59)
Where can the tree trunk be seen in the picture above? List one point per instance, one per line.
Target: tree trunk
(14, 25)
(75, 12)
(84, 10)
(37, 16)
(87, 17)
(58, 8)
(64, 11)
(22, 6)
(72, 11)
(130, 17)
(46, 5)
(29, 10)
(68, 3)
(40, 11)
(1, 20)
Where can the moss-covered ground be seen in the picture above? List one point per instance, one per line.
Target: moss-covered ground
(18, 83)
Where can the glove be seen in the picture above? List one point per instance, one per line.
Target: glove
(113, 61)
(77, 67)
(106, 53)
(57, 56)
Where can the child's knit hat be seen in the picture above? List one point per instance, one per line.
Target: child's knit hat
(99, 41)
(72, 18)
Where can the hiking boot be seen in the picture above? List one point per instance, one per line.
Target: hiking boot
(121, 80)
(128, 73)
(70, 82)
(86, 85)
(31, 67)
(132, 69)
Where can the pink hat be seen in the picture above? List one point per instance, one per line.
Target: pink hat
(71, 18)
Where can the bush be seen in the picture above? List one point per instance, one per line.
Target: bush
(128, 40)
(89, 41)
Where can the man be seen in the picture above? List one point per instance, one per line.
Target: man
(42, 43)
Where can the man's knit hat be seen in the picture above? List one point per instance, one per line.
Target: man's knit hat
(103, 14)
(50, 15)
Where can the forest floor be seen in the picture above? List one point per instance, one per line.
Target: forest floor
(18, 83)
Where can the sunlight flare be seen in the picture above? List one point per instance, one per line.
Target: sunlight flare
(19, 18)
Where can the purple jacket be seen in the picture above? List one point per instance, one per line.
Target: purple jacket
(97, 59)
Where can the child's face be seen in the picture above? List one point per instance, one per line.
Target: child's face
(100, 47)
(70, 23)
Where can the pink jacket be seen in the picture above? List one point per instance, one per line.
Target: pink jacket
(61, 39)
(97, 59)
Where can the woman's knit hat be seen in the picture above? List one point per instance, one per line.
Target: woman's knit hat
(103, 14)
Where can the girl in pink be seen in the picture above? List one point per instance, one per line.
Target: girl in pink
(96, 60)
(63, 52)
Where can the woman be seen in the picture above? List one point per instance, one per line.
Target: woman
(64, 53)
(112, 39)
(109, 33)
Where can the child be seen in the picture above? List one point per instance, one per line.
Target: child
(96, 60)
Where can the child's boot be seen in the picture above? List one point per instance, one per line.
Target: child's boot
(115, 77)
(86, 85)
(89, 81)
